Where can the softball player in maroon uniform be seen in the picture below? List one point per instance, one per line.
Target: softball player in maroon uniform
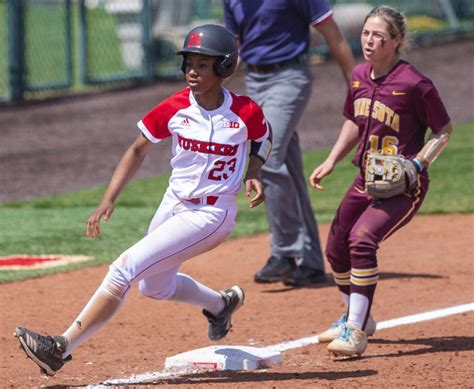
(389, 107)
(210, 128)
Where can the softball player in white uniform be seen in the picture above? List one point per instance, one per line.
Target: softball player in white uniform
(210, 128)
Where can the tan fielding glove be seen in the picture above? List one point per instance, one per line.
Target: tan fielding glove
(388, 175)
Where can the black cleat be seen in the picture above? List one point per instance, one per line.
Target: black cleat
(306, 277)
(221, 324)
(277, 269)
(46, 351)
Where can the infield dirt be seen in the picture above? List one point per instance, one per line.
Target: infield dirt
(426, 266)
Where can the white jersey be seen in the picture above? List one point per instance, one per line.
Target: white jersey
(209, 147)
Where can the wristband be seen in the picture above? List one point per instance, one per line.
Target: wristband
(418, 165)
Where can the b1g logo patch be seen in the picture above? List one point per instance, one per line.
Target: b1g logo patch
(228, 124)
(29, 262)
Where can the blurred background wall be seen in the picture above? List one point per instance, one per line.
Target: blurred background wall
(61, 47)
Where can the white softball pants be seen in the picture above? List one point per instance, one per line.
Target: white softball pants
(179, 231)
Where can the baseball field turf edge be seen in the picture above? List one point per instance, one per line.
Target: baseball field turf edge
(55, 224)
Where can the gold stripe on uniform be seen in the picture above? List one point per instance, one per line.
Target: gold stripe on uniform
(364, 276)
(364, 281)
(347, 274)
(342, 278)
(364, 272)
(343, 281)
(417, 200)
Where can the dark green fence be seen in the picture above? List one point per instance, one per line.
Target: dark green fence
(47, 51)
(51, 47)
(115, 42)
(429, 21)
(4, 55)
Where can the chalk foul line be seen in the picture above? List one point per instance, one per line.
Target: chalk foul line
(284, 346)
(411, 319)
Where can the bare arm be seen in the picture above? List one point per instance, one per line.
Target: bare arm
(338, 46)
(253, 181)
(348, 138)
(125, 170)
(434, 146)
(259, 153)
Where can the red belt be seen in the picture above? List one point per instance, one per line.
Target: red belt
(209, 200)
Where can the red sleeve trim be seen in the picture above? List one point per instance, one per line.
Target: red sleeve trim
(154, 124)
(252, 115)
(323, 19)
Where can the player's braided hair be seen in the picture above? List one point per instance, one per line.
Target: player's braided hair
(396, 23)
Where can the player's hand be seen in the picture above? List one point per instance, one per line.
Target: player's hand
(256, 186)
(105, 209)
(253, 182)
(319, 173)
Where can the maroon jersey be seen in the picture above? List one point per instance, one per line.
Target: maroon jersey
(393, 112)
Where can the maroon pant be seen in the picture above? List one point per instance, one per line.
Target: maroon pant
(360, 224)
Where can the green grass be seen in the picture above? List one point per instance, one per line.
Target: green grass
(4, 87)
(55, 224)
(451, 176)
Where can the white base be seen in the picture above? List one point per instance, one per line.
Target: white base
(223, 358)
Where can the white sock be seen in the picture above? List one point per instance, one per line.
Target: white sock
(101, 307)
(358, 306)
(345, 298)
(193, 292)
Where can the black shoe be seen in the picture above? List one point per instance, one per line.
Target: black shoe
(46, 351)
(221, 324)
(277, 269)
(306, 277)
